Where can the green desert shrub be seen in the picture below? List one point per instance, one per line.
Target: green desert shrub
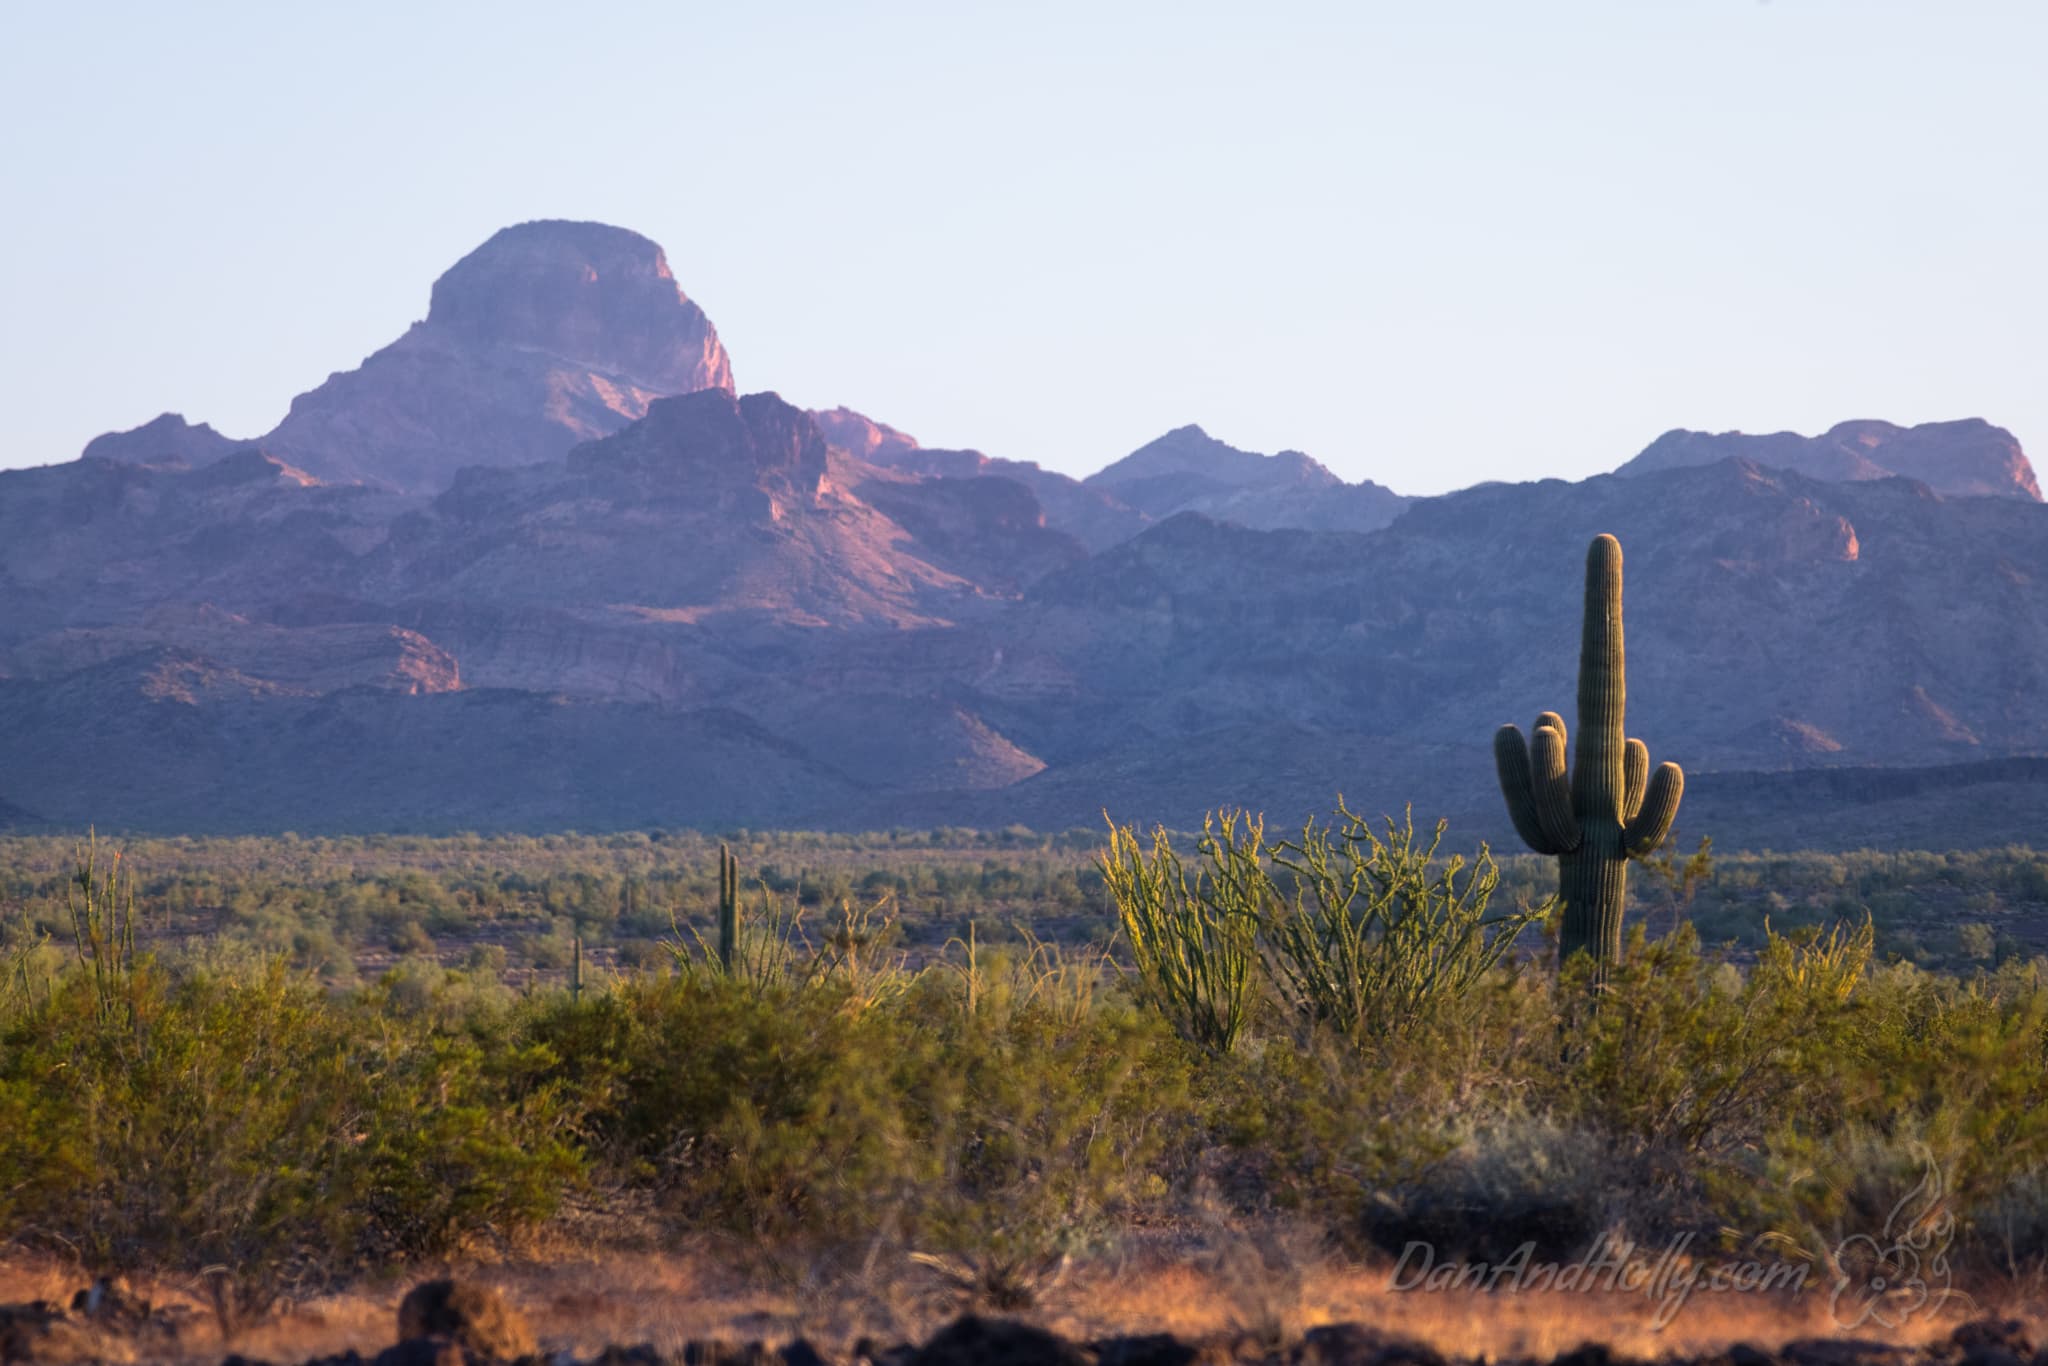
(248, 1119)
(976, 1119)
(1046, 1116)
(1502, 1178)
(1378, 1065)
(1304, 1129)
(1378, 935)
(1366, 934)
(1193, 936)
(1674, 1056)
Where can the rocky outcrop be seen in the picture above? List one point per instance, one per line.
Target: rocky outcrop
(309, 660)
(167, 439)
(472, 1317)
(862, 437)
(712, 508)
(549, 334)
(712, 441)
(1187, 470)
(1969, 458)
(98, 544)
(989, 530)
(1092, 517)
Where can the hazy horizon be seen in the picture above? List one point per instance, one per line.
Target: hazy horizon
(1429, 246)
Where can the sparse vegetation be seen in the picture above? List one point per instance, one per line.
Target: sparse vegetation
(987, 1107)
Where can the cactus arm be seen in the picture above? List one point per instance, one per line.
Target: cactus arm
(1606, 807)
(1660, 809)
(1553, 789)
(1597, 766)
(1511, 760)
(1635, 773)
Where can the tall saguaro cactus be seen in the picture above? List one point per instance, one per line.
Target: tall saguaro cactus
(728, 907)
(1610, 809)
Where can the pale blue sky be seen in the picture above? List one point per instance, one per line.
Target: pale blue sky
(1429, 243)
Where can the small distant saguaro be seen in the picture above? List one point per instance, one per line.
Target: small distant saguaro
(1610, 809)
(728, 907)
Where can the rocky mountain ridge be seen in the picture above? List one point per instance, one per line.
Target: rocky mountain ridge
(501, 578)
(1187, 470)
(1969, 458)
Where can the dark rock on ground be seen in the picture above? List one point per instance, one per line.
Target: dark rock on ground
(1743, 1354)
(434, 1351)
(474, 1317)
(1989, 1335)
(1151, 1349)
(643, 1355)
(719, 1353)
(1844, 1352)
(1354, 1344)
(976, 1341)
(24, 1328)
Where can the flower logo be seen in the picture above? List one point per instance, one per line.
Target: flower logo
(1873, 1282)
(1890, 1278)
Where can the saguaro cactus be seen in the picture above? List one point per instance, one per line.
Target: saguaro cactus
(728, 907)
(1610, 809)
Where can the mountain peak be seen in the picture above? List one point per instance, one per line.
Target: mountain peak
(710, 438)
(550, 334)
(1965, 458)
(1190, 453)
(601, 296)
(862, 437)
(168, 437)
(1188, 470)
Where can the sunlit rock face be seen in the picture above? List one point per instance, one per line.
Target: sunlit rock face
(548, 335)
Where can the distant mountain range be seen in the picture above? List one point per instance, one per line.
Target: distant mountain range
(537, 564)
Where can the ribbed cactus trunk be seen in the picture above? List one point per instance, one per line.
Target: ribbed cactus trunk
(1593, 879)
(1610, 810)
(728, 907)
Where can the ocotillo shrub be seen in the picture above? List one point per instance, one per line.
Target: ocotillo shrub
(1364, 933)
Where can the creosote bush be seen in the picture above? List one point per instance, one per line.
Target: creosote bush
(244, 1118)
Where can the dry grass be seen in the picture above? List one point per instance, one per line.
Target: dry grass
(1260, 1289)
